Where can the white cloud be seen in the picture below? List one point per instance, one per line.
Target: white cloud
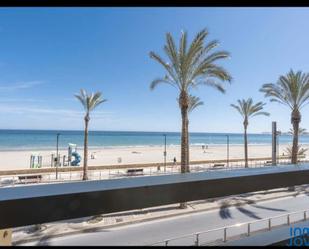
(20, 100)
(20, 85)
(60, 113)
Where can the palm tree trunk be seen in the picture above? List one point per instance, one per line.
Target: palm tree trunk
(184, 140)
(246, 146)
(295, 141)
(188, 147)
(85, 175)
(184, 137)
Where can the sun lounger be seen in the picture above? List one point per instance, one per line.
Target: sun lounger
(30, 178)
(135, 172)
(218, 165)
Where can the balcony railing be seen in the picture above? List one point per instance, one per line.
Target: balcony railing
(223, 234)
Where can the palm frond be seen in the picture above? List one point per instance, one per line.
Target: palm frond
(192, 64)
(194, 102)
(90, 101)
(300, 151)
(301, 131)
(291, 89)
(248, 109)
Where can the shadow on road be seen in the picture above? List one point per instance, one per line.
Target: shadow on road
(268, 208)
(248, 213)
(224, 211)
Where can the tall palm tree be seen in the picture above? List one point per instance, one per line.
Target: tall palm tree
(89, 102)
(292, 90)
(187, 68)
(247, 109)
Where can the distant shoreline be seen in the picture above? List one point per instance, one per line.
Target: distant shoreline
(32, 140)
(53, 148)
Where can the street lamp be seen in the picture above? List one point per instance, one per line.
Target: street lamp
(227, 150)
(278, 134)
(164, 152)
(58, 134)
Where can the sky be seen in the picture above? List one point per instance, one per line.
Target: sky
(48, 54)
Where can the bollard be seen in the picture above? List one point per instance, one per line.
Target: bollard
(248, 234)
(269, 224)
(197, 239)
(305, 215)
(288, 219)
(224, 234)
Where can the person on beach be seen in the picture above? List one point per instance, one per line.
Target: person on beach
(174, 160)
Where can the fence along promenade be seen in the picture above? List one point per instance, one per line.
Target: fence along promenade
(134, 165)
(73, 173)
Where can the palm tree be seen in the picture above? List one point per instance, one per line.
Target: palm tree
(89, 102)
(300, 151)
(301, 131)
(247, 109)
(187, 68)
(291, 90)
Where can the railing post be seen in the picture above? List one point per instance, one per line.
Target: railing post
(224, 234)
(197, 239)
(269, 224)
(248, 234)
(288, 219)
(305, 215)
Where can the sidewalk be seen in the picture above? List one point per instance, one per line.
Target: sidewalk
(91, 224)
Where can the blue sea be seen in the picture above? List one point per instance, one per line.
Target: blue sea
(46, 139)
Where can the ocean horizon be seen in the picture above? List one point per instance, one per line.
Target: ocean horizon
(11, 139)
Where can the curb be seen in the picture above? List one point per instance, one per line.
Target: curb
(95, 229)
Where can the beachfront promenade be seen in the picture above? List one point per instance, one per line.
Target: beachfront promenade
(277, 177)
(148, 233)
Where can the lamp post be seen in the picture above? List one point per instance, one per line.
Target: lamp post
(274, 143)
(164, 152)
(227, 150)
(278, 134)
(58, 134)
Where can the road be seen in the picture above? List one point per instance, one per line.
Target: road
(150, 232)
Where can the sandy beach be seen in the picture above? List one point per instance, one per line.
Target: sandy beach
(137, 154)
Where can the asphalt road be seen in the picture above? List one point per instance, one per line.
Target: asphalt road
(150, 232)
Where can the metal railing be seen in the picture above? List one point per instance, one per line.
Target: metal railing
(116, 173)
(196, 237)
